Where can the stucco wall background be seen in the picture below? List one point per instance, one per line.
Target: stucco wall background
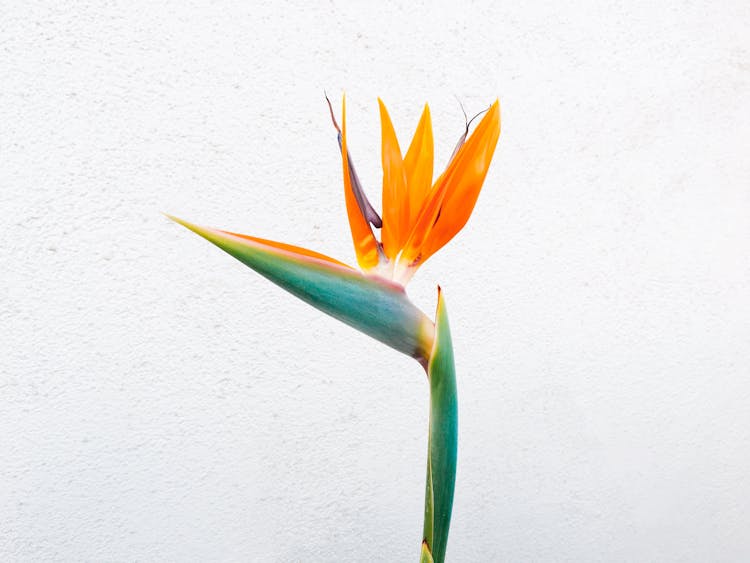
(159, 401)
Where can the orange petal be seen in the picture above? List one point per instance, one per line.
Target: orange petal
(395, 196)
(453, 196)
(418, 163)
(471, 166)
(365, 244)
(411, 255)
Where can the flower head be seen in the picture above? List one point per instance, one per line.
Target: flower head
(419, 216)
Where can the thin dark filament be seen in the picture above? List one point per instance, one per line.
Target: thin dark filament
(468, 122)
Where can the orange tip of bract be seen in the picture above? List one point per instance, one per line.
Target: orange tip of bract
(291, 249)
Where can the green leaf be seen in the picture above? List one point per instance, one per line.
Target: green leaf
(443, 438)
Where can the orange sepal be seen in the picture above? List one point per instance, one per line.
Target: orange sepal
(466, 179)
(418, 164)
(395, 196)
(454, 194)
(365, 244)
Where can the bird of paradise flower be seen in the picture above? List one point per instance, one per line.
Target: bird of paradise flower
(419, 217)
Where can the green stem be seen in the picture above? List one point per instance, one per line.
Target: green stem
(442, 441)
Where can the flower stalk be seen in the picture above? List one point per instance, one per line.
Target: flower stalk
(442, 442)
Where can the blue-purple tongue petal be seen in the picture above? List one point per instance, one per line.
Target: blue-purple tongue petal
(365, 207)
(359, 194)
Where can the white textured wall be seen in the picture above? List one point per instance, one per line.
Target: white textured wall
(159, 401)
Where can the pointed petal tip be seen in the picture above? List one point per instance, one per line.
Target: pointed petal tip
(383, 110)
(495, 108)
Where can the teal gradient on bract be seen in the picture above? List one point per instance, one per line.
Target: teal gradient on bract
(372, 305)
(443, 438)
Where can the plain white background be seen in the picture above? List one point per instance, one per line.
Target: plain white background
(160, 401)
